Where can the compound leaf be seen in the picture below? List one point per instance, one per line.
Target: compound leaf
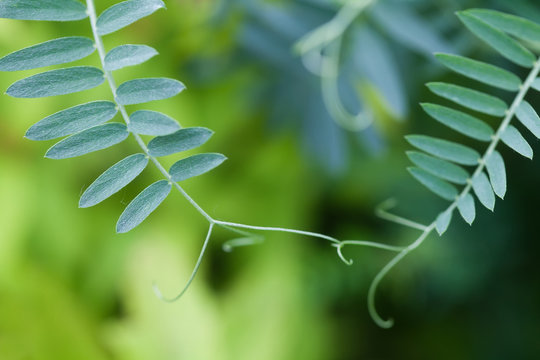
(466, 208)
(94, 139)
(433, 183)
(143, 205)
(147, 122)
(459, 121)
(45, 10)
(57, 82)
(497, 173)
(113, 180)
(125, 13)
(484, 192)
(53, 52)
(440, 168)
(444, 149)
(195, 165)
(443, 221)
(513, 138)
(182, 140)
(72, 120)
(502, 43)
(128, 55)
(480, 71)
(528, 117)
(514, 25)
(471, 99)
(144, 90)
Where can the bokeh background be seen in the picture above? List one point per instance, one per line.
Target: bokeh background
(70, 288)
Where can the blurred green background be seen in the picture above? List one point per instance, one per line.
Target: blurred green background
(70, 288)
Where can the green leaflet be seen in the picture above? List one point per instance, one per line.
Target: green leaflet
(484, 192)
(440, 168)
(147, 122)
(433, 183)
(195, 165)
(144, 90)
(443, 221)
(128, 55)
(466, 208)
(53, 52)
(125, 13)
(72, 120)
(502, 43)
(514, 25)
(536, 84)
(459, 121)
(143, 205)
(113, 180)
(513, 138)
(528, 117)
(46, 10)
(480, 71)
(182, 140)
(471, 99)
(57, 82)
(444, 149)
(497, 173)
(94, 139)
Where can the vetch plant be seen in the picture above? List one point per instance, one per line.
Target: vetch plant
(88, 127)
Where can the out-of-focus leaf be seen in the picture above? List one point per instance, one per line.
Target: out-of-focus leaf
(182, 140)
(480, 71)
(45, 10)
(53, 52)
(143, 205)
(472, 99)
(128, 55)
(443, 221)
(144, 90)
(94, 139)
(72, 120)
(113, 180)
(502, 43)
(57, 82)
(444, 149)
(125, 13)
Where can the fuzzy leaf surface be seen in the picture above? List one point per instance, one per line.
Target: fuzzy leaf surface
(513, 139)
(460, 122)
(480, 71)
(182, 140)
(57, 82)
(497, 173)
(113, 180)
(94, 139)
(128, 55)
(44, 10)
(143, 205)
(53, 52)
(445, 149)
(145, 90)
(471, 99)
(125, 13)
(147, 122)
(72, 120)
(195, 165)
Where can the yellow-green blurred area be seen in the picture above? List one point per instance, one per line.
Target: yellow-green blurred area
(71, 288)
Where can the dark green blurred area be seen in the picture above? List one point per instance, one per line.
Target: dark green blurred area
(70, 288)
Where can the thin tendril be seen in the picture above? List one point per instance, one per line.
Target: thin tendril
(382, 212)
(193, 273)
